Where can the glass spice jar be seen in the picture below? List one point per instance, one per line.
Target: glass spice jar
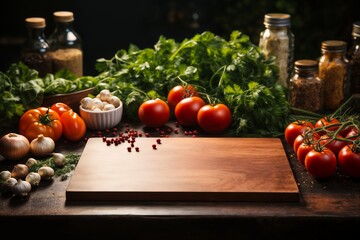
(277, 40)
(333, 70)
(305, 87)
(354, 60)
(36, 49)
(66, 44)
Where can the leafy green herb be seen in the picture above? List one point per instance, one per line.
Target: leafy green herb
(22, 89)
(62, 172)
(232, 71)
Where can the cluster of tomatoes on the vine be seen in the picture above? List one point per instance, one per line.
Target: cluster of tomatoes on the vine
(189, 109)
(326, 146)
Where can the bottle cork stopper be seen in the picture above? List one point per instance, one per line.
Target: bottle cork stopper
(35, 22)
(63, 16)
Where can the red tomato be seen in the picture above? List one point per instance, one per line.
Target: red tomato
(302, 151)
(347, 130)
(353, 134)
(214, 119)
(294, 129)
(41, 120)
(178, 93)
(60, 108)
(310, 136)
(349, 161)
(187, 109)
(334, 145)
(321, 164)
(326, 123)
(74, 127)
(154, 113)
(298, 140)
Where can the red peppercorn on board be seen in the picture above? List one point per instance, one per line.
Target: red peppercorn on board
(184, 169)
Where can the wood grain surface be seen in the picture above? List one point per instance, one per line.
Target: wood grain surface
(184, 169)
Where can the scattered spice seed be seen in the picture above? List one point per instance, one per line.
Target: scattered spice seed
(158, 141)
(137, 149)
(129, 149)
(154, 146)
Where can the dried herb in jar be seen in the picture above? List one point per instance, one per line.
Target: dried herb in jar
(305, 87)
(333, 70)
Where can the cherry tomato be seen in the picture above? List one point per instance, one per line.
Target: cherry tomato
(298, 140)
(302, 151)
(187, 109)
(178, 93)
(74, 127)
(349, 160)
(154, 113)
(344, 132)
(294, 129)
(334, 145)
(214, 119)
(60, 108)
(41, 120)
(308, 136)
(326, 122)
(321, 164)
(353, 134)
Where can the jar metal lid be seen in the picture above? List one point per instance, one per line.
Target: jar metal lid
(277, 19)
(356, 29)
(333, 46)
(35, 22)
(63, 16)
(306, 64)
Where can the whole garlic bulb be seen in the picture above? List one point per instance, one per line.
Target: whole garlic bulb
(42, 146)
(104, 95)
(21, 188)
(114, 100)
(87, 103)
(97, 103)
(108, 107)
(33, 178)
(9, 184)
(19, 171)
(30, 162)
(46, 172)
(59, 159)
(5, 175)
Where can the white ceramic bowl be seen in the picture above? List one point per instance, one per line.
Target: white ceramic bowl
(100, 120)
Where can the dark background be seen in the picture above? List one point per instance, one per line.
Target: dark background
(107, 26)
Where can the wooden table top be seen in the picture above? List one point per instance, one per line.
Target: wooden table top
(330, 203)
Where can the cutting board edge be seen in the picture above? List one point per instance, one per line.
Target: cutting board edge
(184, 196)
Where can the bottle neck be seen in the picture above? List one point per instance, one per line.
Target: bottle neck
(306, 73)
(356, 40)
(36, 33)
(64, 36)
(63, 26)
(334, 54)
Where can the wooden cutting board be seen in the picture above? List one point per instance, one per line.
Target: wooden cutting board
(184, 169)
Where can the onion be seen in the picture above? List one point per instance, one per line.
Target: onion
(14, 146)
